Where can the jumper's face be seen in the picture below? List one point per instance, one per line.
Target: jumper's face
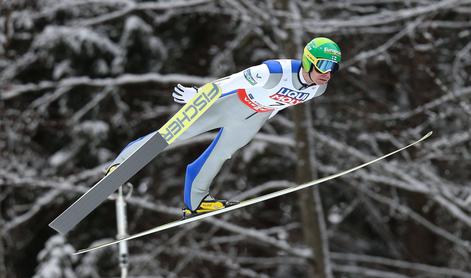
(319, 78)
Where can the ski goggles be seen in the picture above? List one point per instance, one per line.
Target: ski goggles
(322, 65)
(325, 66)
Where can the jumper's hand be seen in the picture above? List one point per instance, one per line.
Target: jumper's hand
(182, 94)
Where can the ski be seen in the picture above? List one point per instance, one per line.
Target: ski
(247, 202)
(168, 133)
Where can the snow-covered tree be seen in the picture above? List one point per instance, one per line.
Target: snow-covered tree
(79, 79)
(56, 259)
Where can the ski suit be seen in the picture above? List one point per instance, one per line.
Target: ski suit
(249, 98)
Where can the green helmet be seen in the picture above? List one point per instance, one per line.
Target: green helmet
(322, 53)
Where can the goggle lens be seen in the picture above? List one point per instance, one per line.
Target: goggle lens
(324, 66)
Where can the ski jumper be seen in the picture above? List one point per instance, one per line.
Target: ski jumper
(249, 98)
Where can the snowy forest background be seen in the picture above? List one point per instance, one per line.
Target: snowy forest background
(80, 79)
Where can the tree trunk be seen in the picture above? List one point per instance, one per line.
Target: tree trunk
(312, 216)
(419, 241)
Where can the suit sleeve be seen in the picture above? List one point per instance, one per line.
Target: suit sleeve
(255, 76)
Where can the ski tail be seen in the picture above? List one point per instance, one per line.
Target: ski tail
(167, 134)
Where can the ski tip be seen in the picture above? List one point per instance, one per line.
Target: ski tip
(427, 135)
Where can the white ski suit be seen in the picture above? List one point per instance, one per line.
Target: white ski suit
(249, 98)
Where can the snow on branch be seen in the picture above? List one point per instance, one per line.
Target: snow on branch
(418, 218)
(59, 48)
(362, 258)
(125, 79)
(382, 17)
(125, 8)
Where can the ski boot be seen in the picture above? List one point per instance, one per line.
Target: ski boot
(207, 205)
